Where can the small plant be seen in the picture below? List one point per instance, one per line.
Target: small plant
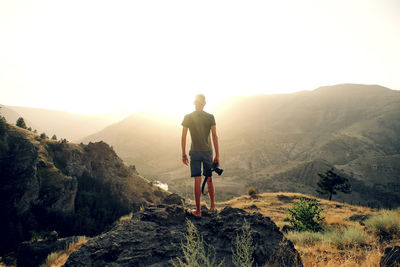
(43, 136)
(305, 215)
(242, 253)
(252, 192)
(196, 253)
(344, 237)
(386, 224)
(304, 238)
(54, 137)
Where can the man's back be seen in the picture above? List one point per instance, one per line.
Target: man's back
(199, 124)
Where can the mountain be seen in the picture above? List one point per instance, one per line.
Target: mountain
(144, 139)
(74, 189)
(351, 127)
(71, 126)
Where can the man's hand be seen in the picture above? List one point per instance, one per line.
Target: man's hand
(216, 159)
(185, 160)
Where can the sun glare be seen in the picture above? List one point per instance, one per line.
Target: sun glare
(140, 55)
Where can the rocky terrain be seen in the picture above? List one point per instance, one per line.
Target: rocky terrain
(153, 237)
(74, 189)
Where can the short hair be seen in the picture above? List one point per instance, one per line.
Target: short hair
(200, 99)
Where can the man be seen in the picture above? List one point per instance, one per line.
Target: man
(200, 123)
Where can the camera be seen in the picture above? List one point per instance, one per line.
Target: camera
(214, 167)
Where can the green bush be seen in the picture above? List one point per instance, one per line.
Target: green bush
(305, 215)
(242, 253)
(43, 136)
(385, 224)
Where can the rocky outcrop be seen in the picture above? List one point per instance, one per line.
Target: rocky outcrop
(74, 189)
(153, 237)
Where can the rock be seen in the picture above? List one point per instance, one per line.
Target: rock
(153, 237)
(34, 253)
(173, 199)
(391, 257)
(360, 218)
(287, 228)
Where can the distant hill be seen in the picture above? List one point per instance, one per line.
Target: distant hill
(350, 127)
(74, 189)
(71, 126)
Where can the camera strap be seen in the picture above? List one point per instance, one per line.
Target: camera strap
(203, 185)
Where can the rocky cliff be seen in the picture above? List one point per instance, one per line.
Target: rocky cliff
(50, 185)
(153, 237)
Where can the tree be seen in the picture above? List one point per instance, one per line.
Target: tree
(43, 136)
(331, 182)
(21, 123)
(54, 137)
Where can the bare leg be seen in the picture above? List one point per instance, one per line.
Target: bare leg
(197, 194)
(211, 192)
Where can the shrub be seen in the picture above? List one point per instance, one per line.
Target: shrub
(242, 253)
(348, 236)
(251, 191)
(305, 238)
(21, 123)
(43, 136)
(54, 137)
(196, 253)
(305, 215)
(386, 224)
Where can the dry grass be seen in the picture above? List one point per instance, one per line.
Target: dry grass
(59, 258)
(345, 243)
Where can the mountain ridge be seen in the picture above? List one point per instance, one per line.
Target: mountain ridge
(262, 135)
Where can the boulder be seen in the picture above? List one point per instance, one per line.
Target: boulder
(153, 237)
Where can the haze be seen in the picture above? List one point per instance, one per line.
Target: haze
(106, 56)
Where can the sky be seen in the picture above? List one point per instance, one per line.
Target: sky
(106, 56)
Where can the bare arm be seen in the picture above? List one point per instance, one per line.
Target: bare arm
(183, 144)
(215, 142)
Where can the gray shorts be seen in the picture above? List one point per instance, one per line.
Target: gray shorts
(198, 157)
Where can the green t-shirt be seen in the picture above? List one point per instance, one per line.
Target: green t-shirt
(199, 124)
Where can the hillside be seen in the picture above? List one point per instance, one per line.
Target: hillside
(74, 189)
(354, 128)
(67, 125)
(351, 237)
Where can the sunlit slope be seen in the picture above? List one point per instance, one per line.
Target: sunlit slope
(262, 136)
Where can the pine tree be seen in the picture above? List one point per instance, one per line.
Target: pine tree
(21, 123)
(331, 182)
